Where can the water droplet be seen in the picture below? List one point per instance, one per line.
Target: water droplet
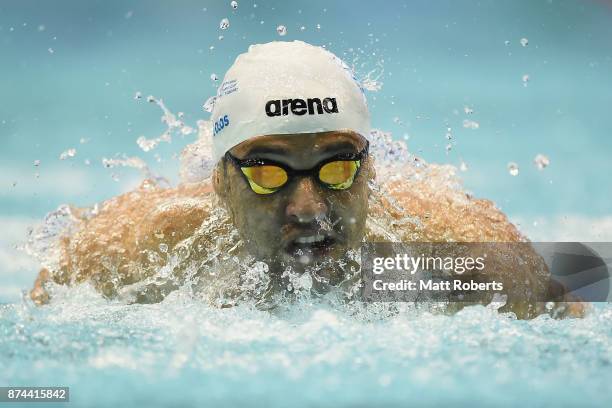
(68, 153)
(36, 163)
(507, 42)
(318, 26)
(209, 104)
(468, 110)
(371, 84)
(150, 99)
(463, 166)
(525, 42)
(302, 28)
(41, 27)
(498, 301)
(525, 79)
(234, 5)
(221, 37)
(214, 76)
(281, 30)
(541, 161)
(115, 177)
(305, 259)
(224, 24)
(133, 162)
(163, 248)
(51, 50)
(470, 124)
(87, 162)
(448, 148)
(146, 144)
(513, 169)
(138, 95)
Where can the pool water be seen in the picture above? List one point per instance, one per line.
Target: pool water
(185, 353)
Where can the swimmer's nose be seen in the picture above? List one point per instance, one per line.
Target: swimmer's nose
(306, 204)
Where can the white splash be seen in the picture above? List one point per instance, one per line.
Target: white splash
(68, 153)
(470, 124)
(372, 80)
(174, 126)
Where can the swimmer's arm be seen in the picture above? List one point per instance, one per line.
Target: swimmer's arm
(526, 281)
(447, 217)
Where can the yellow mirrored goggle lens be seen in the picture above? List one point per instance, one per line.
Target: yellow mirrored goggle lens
(265, 179)
(339, 175)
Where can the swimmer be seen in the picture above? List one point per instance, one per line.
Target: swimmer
(294, 186)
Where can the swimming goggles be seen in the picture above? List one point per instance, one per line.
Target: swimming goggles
(268, 176)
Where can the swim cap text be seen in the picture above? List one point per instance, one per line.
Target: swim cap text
(311, 106)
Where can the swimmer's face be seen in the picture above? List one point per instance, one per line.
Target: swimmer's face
(303, 221)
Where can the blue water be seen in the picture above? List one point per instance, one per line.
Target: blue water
(68, 75)
(184, 353)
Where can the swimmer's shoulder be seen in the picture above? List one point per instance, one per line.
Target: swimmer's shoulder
(179, 211)
(124, 228)
(150, 209)
(448, 214)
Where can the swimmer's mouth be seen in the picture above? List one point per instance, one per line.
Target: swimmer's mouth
(316, 243)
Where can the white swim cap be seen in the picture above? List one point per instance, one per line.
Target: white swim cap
(286, 88)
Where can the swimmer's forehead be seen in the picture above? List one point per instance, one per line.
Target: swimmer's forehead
(304, 143)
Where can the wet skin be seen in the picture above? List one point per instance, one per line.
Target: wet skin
(275, 226)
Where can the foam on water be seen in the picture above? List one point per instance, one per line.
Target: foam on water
(181, 351)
